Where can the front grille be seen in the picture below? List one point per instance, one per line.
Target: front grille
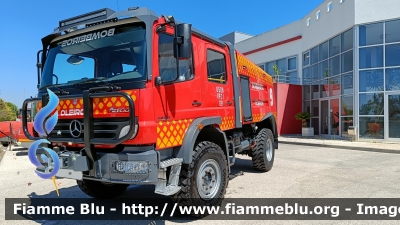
(105, 128)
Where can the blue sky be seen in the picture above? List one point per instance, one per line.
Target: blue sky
(24, 23)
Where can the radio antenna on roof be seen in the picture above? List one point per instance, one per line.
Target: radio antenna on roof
(118, 5)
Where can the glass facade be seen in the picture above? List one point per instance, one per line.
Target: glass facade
(328, 84)
(379, 80)
(283, 70)
(350, 81)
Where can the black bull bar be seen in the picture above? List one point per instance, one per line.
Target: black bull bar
(89, 141)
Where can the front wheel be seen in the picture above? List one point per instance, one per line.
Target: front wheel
(264, 152)
(205, 179)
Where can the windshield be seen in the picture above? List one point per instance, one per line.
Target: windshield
(118, 55)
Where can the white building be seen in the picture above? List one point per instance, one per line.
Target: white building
(346, 54)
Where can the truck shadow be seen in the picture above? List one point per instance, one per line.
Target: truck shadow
(241, 167)
(74, 196)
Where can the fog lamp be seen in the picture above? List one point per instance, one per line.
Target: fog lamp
(125, 130)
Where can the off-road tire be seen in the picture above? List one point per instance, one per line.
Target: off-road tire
(97, 189)
(189, 193)
(263, 160)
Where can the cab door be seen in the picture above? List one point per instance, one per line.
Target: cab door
(178, 103)
(219, 99)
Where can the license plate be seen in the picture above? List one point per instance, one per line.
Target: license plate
(71, 174)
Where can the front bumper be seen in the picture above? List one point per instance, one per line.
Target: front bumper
(112, 167)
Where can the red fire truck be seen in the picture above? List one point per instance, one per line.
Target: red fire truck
(145, 99)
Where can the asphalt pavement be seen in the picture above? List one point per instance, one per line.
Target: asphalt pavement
(299, 172)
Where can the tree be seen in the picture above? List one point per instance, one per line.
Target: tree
(304, 117)
(277, 71)
(13, 107)
(6, 113)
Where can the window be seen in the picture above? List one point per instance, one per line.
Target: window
(392, 55)
(334, 46)
(324, 69)
(323, 51)
(307, 106)
(347, 83)
(292, 63)
(392, 79)
(306, 58)
(269, 68)
(371, 34)
(347, 105)
(306, 75)
(341, 1)
(282, 66)
(167, 61)
(347, 61)
(283, 70)
(314, 55)
(392, 31)
(315, 94)
(347, 40)
(371, 104)
(334, 66)
(318, 14)
(70, 62)
(371, 57)
(314, 72)
(306, 92)
(329, 7)
(371, 80)
(371, 127)
(308, 22)
(216, 69)
(314, 108)
(334, 86)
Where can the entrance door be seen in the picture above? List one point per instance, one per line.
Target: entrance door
(392, 118)
(330, 117)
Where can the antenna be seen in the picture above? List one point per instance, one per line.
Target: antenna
(118, 5)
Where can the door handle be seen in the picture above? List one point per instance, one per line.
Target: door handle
(196, 103)
(229, 103)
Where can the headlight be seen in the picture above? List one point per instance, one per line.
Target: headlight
(125, 130)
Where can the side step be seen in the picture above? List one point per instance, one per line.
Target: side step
(170, 188)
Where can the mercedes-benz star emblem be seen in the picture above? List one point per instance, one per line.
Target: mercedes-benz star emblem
(75, 128)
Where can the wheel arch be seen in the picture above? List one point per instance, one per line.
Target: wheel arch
(269, 122)
(202, 129)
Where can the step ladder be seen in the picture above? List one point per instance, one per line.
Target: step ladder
(172, 187)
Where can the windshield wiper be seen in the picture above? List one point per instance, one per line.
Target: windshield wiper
(60, 91)
(101, 79)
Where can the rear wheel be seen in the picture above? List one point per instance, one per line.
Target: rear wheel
(264, 152)
(205, 179)
(102, 190)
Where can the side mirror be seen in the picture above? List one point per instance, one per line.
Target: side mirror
(158, 81)
(184, 41)
(39, 66)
